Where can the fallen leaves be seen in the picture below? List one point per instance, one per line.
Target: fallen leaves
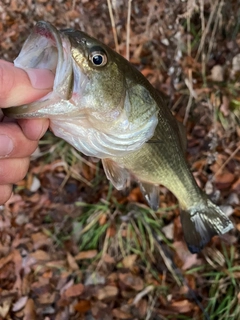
(40, 255)
(29, 310)
(82, 306)
(224, 180)
(129, 261)
(43, 273)
(131, 281)
(74, 291)
(90, 254)
(183, 306)
(107, 292)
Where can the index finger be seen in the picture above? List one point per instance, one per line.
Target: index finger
(19, 87)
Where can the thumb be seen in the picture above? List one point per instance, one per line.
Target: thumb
(19, 87)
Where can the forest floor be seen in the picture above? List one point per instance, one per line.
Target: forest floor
(73, 247)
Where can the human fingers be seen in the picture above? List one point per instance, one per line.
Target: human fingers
(13, 170)
(21, 87)
(34, 129)
(14, 143)
(5, 193)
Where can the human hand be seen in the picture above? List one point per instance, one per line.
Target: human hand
(19, 139)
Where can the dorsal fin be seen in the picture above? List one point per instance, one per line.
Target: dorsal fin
(117, 175)
(151, 194)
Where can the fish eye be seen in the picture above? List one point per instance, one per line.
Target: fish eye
(98, 58)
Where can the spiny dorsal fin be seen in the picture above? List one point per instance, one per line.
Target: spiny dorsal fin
(151, 194)
(117, 175)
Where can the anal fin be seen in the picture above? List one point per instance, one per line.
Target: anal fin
(151, 194)
(117, 175)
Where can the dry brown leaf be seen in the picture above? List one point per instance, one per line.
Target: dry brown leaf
(40, 239)
(40, 255)
(188, 259)
(63, 315)
(135, 195)
(129, 261)
(119, 314)
(132, 281)
(56, 264)
(46, 298)
(6, 259)
(113, 277)
(224, 180)
(168, 230)
(5, 307)
(22, 219)
(142, 308)
(66, 285)
(101, 311)
(182, 306)
(236, 186)
(86, 255)
(74, 291)
(217, 73)
(29, 310)
(4, 250)
(94, 278)
(108, 259)
(102, 219)
(71, 262)
(82, 306)
(111, 231)
(41, 286)
(225, 106)
(107, 292)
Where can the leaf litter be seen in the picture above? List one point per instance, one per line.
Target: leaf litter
(72, 247)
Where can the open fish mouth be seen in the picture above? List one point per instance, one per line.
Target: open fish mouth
(46, 48)
(43, 49)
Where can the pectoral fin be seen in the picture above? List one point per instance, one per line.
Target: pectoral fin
(151, 194)
(116, 174)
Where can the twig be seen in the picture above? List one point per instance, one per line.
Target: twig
(141, 294)
(205, 32)
(203, 55)
(128, 29)
(226, 162)
(73, 4)
(215, 28)
(189, 84)
(113, 25)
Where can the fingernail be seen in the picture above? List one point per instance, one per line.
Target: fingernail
(6, 145)
(40, 78)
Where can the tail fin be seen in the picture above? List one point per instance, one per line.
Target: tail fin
(201, 223)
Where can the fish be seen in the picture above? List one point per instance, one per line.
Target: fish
(105, 108)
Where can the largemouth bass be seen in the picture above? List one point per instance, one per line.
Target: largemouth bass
(107, 109)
